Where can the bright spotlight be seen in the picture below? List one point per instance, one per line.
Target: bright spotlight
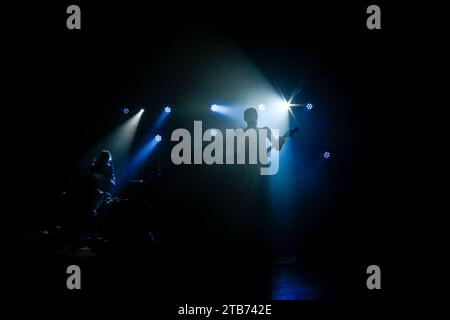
(326, 154)
(309, 106)
(262, 107)
(286, 104)
(125, 110)
(214, 107)
(213, 132)
(142, 110)
(158, 138)
(167, 109)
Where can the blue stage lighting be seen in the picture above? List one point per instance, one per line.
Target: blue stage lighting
(326, 154)
(125, 110)
(214, 107)
(309, 106)
(167, 109)
(262, 107)
(158, 138)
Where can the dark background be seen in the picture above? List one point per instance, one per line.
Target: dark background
(71, 82)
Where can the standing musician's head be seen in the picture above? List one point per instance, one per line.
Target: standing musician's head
(251, 117)
(104, 159)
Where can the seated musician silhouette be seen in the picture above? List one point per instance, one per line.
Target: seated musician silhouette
(102, 175)
(86, 193)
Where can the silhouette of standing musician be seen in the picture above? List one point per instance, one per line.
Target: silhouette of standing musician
(250, 209)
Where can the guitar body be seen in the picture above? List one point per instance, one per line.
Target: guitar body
(281, 140)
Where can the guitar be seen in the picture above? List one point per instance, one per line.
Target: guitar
(283, 138)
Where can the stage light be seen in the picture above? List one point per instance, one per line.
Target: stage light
(286, 104)
(262, 107)
(309, 106)
(125, 110)
(142, 110)
(140, 156)
(326, 154)
(162, 117)
(213, 132)
(214, 107)
(119, 141)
